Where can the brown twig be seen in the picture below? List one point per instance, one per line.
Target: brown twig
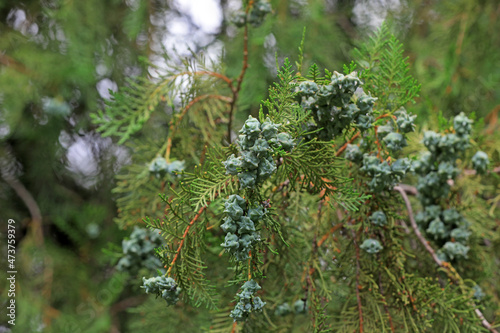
(484, 321)
(331, 231)
(341, 150)
(431, 251)
(311, 185)
(385, 115)
(239, 80)
(37, 230)
(122, 306)
(200, 211)
(492, 120)
(127, 303)
(14, 64)
(412, 190)
(249, 265)
(203, 153)
(29, 201)
(415, 227)
(377, 142)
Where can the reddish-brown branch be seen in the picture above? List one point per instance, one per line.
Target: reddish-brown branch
(200, 211)
(191, 223)
(239, 80)
(234, 327)
(331, 231)
(377, 142)
(301, 177)
(249, 265)
(169, 147)
(385, 115)
(219, 76)
(14, 64)
(196, 100)
(492, 119)
(431, 251)
(341, 150)
(203, 153)
(316, 244)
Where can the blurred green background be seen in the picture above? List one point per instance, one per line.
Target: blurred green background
(58, 61)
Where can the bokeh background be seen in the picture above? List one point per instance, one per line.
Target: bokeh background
(60, 59)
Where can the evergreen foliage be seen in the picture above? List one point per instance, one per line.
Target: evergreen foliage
(284, 191)
(385, 70)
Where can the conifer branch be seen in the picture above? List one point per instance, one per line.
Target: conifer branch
(431, 251)
(129, 109)
(239, 80)
(341, 150)
(31, 204)
(200, 211)
(315, 244)
(309, 171)
(484, 321)
(414, 226)
(174, 127)
(385, 70)
(386, 309)
(249, 265)
(330, 232)
(379, 146)
(209, 73)
(412, 190)
(385, 115)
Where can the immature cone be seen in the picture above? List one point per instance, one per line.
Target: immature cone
(371, 246)
(247, 301)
